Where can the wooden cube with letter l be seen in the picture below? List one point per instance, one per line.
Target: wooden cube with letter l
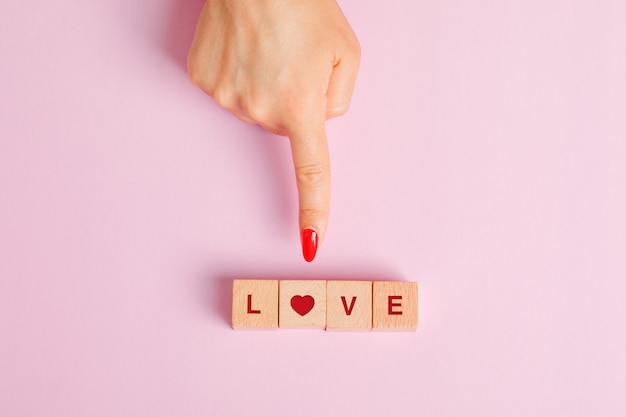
(255, 304)
(394, 306)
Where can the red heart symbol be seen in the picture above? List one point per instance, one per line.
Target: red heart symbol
(302, 305)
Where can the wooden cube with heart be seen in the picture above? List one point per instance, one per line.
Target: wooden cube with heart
(302, 304)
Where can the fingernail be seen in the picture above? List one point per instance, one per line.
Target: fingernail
(309, 244)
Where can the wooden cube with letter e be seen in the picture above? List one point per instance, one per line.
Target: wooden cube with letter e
(394, 306)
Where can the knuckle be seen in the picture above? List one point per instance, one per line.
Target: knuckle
(195, 74)
(197, 69)
(312, 175)
(258, 112)
(312, 213)
(244, 118)
(200, 76)
(225, 97)
(336, 111)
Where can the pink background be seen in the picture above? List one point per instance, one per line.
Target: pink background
(484, 156)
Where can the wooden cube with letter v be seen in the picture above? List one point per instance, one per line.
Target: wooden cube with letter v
(349, 305)
(255, 304)
(394, 306)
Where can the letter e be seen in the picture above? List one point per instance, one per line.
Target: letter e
(391, 305)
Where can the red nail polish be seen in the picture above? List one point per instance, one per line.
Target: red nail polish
(309, 244)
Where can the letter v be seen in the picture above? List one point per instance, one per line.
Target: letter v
(345, 305)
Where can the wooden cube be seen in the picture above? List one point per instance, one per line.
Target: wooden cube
(349, 305)
(255, 304)
(302, 304)
(394, 306)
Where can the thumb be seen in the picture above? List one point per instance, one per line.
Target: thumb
(341, 86)
(309, 148)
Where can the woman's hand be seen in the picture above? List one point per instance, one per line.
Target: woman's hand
(287, 65)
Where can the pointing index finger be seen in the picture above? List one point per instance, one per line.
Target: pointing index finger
(309, 148)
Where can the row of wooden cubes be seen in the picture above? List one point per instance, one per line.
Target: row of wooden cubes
(333, 305)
